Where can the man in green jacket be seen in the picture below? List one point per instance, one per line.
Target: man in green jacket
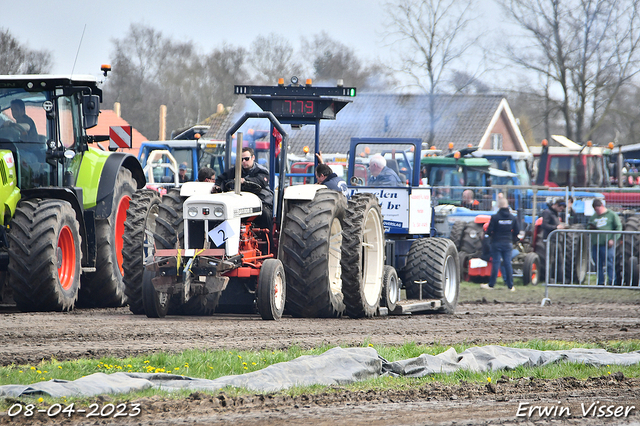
(602, 248)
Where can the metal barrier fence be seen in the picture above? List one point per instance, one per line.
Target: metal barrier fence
(583, 258)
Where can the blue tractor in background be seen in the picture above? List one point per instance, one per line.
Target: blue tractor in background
(427, 267)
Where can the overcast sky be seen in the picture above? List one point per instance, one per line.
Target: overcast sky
(58, 26)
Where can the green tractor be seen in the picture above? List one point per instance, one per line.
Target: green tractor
(64, 203)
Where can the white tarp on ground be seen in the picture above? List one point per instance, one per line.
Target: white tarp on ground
(337, 366)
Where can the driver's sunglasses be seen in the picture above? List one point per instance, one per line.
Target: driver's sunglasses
(246, 158)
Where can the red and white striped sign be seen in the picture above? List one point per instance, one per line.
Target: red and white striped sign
(119, 137)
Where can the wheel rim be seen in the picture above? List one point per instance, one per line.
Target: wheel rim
(372, 246)
(148, 246)
(66, 258)
(534, 273)
(393, 289)
(335, 254)
(278, 287)
(450, 279)
(121, 217)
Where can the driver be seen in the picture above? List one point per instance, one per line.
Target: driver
(19, 114)
(380, 174)
(257, 178)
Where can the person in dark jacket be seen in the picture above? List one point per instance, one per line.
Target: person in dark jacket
(253, 178)
(326, 176)
(503, 229)
(380, 174)
(551, 217)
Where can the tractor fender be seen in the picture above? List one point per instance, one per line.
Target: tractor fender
(302, 192)
(108, 179)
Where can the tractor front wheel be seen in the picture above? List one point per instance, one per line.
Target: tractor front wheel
(531, 269)
(156, 303)
(44, 256)
(390, 288)
(272, 290)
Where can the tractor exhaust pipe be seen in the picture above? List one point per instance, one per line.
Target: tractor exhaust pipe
(236, 186)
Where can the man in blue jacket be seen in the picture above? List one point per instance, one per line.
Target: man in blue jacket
(503, 230)
(326, 176)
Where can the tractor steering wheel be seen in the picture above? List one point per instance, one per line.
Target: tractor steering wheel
(358, 181)
(12, 131)
(247, 186)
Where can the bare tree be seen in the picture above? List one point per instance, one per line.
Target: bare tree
(430, 38)
(331, 60)
(272, 57)
(587, 50)
(16, 58)
(150, 70)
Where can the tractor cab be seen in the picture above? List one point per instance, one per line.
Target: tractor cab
(41, 124)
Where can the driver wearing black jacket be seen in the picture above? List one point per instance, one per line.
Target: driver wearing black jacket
(253, 178)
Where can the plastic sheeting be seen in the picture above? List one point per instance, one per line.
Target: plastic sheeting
(337, 366)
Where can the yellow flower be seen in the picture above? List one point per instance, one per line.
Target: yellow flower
(39, 372)
(33, 368)
(239, 357)
(253, 363)
(60, 367)
(20, 371)
(177, 368)
(245, 368)
(489, 379)
(244, 363)
(370, 345)
(146, 362)
(40, 399)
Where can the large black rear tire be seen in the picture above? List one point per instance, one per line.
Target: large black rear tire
(362, 259)
(44, 255)
(105, 286)
(433, 262)
(627, 254)
(457, 231)
(139, 244)
(311, 243)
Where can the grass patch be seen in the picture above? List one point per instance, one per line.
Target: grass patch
(214, 364)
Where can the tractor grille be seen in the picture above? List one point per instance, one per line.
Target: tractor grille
(198, 233)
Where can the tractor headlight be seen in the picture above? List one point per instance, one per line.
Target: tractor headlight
(193, 212)
(218, 212)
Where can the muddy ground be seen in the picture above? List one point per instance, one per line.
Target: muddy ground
(27, 338)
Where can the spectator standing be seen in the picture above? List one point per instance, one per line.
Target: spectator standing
(602, 247)
(551, 217)
(503, 230)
